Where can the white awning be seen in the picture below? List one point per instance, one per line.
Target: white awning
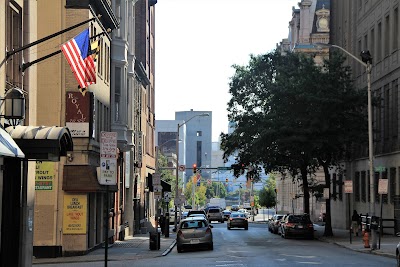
(8, 147)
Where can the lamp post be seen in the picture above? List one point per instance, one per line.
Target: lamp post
(366, 60)
(177, 165)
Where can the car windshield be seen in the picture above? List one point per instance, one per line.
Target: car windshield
(299, 219)
(193, 224)
(279, 217)
(213, 210)
(238, 215)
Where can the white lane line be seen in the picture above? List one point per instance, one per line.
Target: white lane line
(299, 256)
(309, 263)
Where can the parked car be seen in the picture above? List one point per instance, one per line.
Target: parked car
(215, 214)
(197, 215)
(172, 216)
(184, 215)
(398, 252)
(226, 214)
(237, 220)
(194, 232)
(274, 223)
(281, 223)
(297, 226)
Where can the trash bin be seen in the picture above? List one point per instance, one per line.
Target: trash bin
(154, 241)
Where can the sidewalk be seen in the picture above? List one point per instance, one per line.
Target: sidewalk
(133, 247)
(341, 238)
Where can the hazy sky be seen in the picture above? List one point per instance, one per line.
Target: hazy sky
(197, 42)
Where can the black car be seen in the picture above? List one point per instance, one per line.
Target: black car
(235, 207)
(237, 220)
(297, 226)
(226, 214)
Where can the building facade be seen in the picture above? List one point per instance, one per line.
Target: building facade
(198, 140)
(373, 26)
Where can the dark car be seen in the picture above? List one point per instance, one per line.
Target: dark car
(274, 223)
(215, 214)
(235, 207)
(297, 226)
(226, 214)
(237, 220)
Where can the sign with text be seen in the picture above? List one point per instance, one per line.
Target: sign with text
(348, 186)
(108, 158)
(77, 117)
(75, 214)
(44, 175)
(383, 186)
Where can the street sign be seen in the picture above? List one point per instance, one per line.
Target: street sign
(224, 168)
(157, 195)
(383, 186)
(182, 168)
(348, 186)
(380, 169)
(108, 158)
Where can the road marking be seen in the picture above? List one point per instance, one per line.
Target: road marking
(299, 256)
(309, 263)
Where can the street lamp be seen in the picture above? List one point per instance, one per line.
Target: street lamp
(177, 164)
(366, 61)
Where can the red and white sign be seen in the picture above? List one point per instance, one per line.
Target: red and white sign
(108, 158)
(348, 186)
(182, 168)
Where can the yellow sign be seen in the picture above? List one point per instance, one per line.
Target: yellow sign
(75, 214)
(44, 176)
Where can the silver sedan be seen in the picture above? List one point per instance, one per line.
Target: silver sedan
(194, 232)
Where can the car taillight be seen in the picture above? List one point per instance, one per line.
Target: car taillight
(208, 231)
(289, 225)
(310, 225)
(180, 233)
(231, 219)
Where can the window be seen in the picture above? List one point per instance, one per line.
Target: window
(199, 133)
(372, 43)
(334, 185)
(392, 184)
(340, 183)
(379, 42)
(198, 153)
(395, 29)
(387, 36)
(376, 181)
(357, 187)
(13, 41)
(395, 109)
(386, 112)
(363, 186)
(117, 93)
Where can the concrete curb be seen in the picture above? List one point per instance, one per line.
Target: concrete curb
(366, 251)
(168, 250)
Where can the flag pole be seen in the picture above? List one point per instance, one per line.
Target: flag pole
(28, 64)
(14, 51)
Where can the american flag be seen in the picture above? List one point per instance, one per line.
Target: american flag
(76, 51)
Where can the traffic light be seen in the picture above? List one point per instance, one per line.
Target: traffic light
(194, 168)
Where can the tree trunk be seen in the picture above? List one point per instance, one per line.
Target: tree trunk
(328, 222)
(306, 191)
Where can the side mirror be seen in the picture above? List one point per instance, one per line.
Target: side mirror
(211, 226)
(174, 230)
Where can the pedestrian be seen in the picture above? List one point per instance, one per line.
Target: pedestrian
(355, 220)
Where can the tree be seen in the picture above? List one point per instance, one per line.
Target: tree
(267, 195)
(306, 116)
(200, 193)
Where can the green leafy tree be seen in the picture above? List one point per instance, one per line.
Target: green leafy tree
(200, 193)
(300, 110)
(267, 194)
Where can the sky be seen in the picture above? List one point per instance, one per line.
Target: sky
(198, 41)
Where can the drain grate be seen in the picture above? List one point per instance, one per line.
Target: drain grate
(127, 244)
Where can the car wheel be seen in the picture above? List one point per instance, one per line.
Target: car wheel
(398, 259)
(209, 221)
(228, 227)
(179, 249)
(246, 228)
(211, 246)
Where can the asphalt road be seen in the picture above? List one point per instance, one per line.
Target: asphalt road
(255, 247)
